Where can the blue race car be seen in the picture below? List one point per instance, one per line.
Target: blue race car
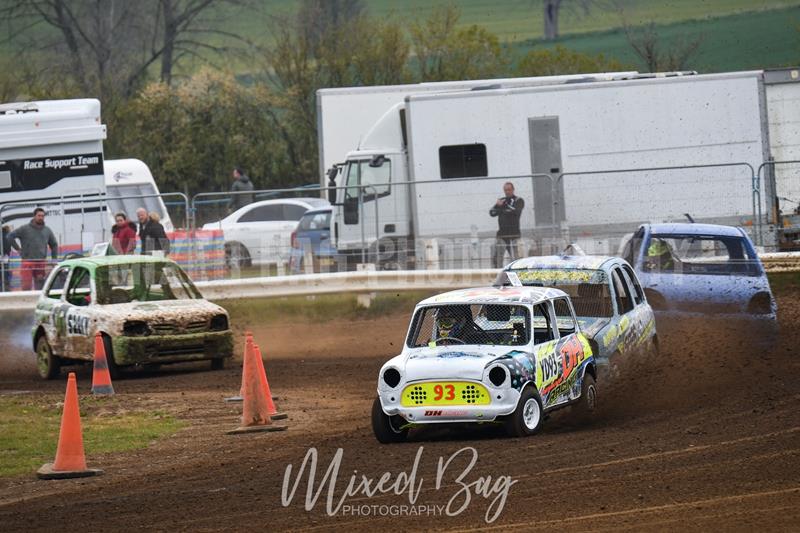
(312, 239)
(702, 269)
(609, 302)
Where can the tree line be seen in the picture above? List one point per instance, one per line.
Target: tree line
(161, 70)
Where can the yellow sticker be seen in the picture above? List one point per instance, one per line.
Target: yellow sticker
(445, 393)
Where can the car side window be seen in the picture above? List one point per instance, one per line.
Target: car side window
(565, 320)
(630, 277)
(293, 212)
(542, 324)
(623, 294)
(56, 288)
(80, 287)
(264, 213)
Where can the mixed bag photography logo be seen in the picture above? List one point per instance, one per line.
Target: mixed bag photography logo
(454, 488)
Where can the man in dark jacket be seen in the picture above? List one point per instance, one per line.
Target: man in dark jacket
(34, 239)
(241, 183)
(151, 233)
(507, 210)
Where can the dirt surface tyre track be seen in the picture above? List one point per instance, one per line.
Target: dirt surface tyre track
(113, 370)
(387, 429)
(48, 364)
(587, 404)
(527, 418)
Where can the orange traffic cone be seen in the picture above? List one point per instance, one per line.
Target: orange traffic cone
(70, 459)
(273, 412)
(101, 377)
(255, 413)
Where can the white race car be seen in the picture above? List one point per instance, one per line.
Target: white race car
(505, 354)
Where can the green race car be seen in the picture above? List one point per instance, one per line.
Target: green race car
(146, 308)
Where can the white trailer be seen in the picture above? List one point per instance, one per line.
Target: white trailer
(129, 186)
(345, 114)
(51, 151)
(637, 122)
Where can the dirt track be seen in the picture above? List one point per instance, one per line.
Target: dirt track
(707, 439)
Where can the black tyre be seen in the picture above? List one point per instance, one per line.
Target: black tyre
(527, 418)
(236, 255)
(113, 370)
(218, 364)
(387, 429)
(587, 404)
(48, 364)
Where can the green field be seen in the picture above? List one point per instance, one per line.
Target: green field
(737, 34)
(515, 20)
(738, 42)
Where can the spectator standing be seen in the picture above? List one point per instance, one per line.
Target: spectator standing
(6, 263)
(507, 210)
(34, 239)
(123, 239)
(151, 233)
(241, 183)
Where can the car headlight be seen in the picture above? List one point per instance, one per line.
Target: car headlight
(219, 323)
(135, 328)
(498, 375)
(391, 376)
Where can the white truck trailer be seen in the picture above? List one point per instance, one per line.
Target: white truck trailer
(429, 140)
(52, 151)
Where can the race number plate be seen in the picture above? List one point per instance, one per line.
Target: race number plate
(445, 393)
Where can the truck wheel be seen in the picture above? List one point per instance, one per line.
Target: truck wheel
(218, 364)
(527, 417)
(387, 429)
(113, 370)
(48, 365)
(587, 404)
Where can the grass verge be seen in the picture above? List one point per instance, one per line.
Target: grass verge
(30, 426)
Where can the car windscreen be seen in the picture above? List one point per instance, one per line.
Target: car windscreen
(143, 282)
(700, 254)
(465, 324)
(588, 289)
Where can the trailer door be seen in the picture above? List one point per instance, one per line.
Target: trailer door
(545, 148)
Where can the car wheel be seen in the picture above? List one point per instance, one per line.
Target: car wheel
(113, 370)
(587, 403)
(236, 255)
(218, 364)
(527, 418)
(387, 429)
(48, 364)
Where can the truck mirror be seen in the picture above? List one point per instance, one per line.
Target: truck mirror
(377, 161)
(332, 173)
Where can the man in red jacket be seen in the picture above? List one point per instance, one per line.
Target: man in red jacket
(124, 235)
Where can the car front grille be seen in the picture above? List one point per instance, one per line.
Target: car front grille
(173, 328)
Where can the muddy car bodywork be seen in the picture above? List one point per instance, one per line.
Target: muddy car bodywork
(485, 382)
(618, 320)
(167, 329)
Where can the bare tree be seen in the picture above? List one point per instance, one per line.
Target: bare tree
(552, 10)
(112, 45)
(659, 55)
